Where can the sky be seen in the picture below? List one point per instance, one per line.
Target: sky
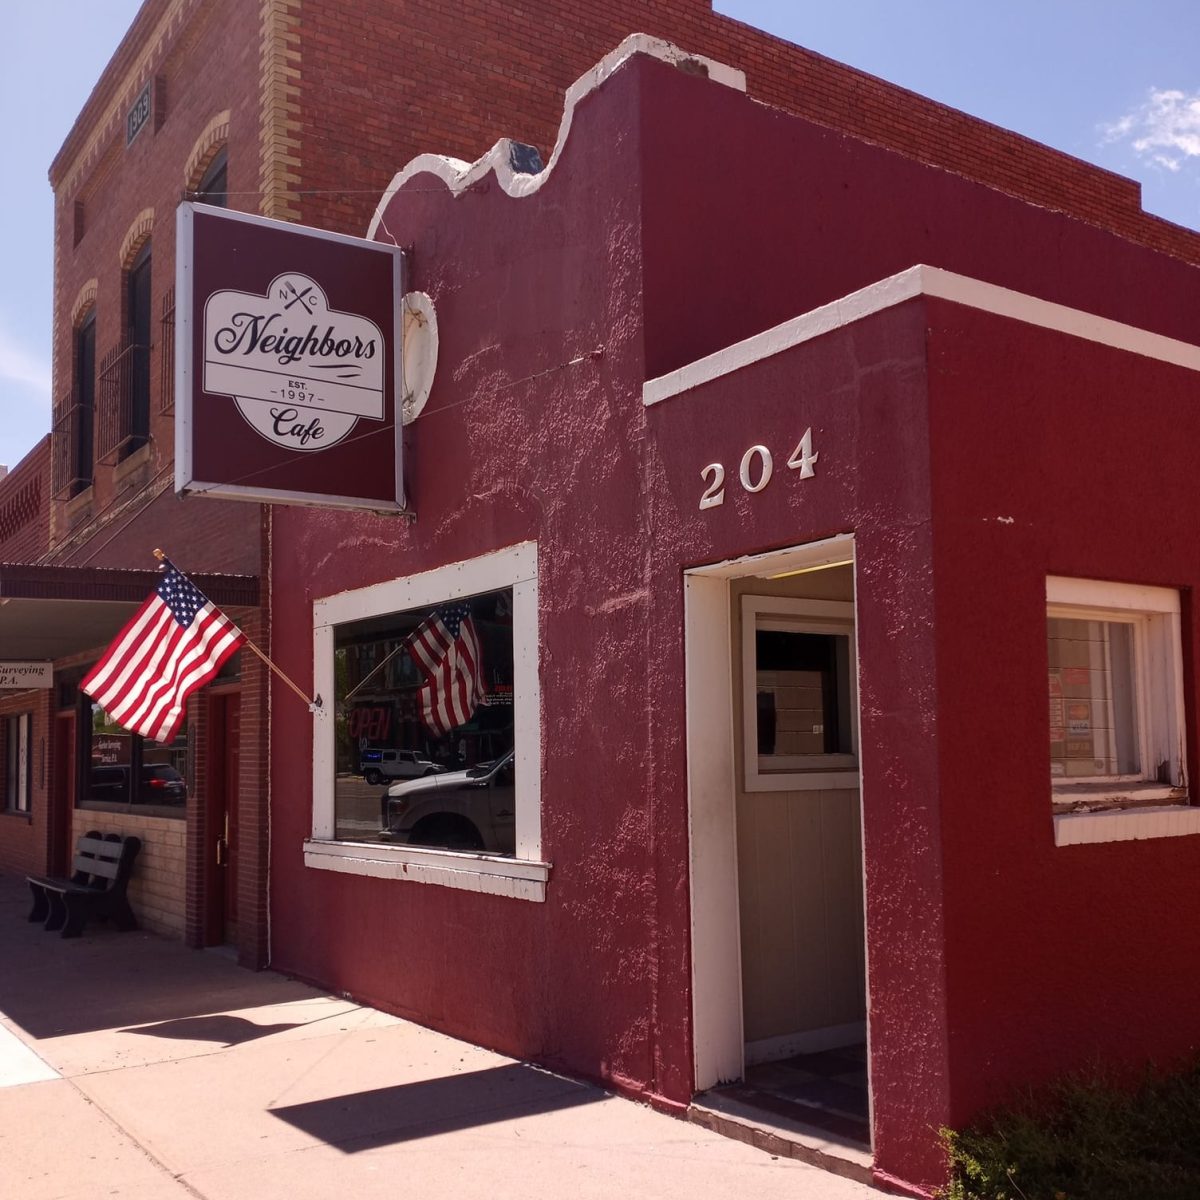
(1115, 82)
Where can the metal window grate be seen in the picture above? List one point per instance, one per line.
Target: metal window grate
(67, 475)
(166, 378)
(122, 424)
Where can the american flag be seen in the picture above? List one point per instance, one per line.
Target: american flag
(175, 644)
(445, 648)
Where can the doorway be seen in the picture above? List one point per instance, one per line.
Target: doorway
(779, 961)
(221, 824)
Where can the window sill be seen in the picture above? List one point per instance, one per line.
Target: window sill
(1126, 824)
(81, 501)
(23, 814)
(126, 466)
(486, 873)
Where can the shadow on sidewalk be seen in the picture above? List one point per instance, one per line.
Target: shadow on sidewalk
(53, 986)
(224, 1028)
(388, 1116)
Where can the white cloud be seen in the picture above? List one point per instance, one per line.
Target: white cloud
(18, 365)
(1165, 128)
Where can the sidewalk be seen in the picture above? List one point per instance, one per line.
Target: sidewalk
(133, 1067)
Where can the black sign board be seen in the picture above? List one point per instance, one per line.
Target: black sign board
(138, 115)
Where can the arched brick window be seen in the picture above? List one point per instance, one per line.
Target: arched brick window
(73, 453)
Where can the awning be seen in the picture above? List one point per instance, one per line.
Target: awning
(53, 612)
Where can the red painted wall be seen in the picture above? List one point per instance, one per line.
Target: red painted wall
(1059, 955)
(571, 982)
(783, 216)
(780, 216)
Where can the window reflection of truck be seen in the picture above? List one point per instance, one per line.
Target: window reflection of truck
(458, 810)
(378, 765)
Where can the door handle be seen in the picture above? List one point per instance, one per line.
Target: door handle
(223, 843)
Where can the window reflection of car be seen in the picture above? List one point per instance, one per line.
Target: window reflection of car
(378, 765)
(160, 784)
(458, 810)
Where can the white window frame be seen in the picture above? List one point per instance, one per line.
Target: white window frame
(812, 772)
(523, 877)
(1128, 807)
(21, 802)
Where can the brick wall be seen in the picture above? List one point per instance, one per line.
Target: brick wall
(252, 824)
(380, 81)
(25, 506)
(201, 58)
(156, 888)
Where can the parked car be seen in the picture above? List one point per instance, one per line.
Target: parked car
(160, 784)
(378, 765)
(458, 810)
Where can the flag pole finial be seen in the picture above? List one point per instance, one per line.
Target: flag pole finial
(159, 554)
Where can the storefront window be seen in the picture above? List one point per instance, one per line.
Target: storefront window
(424, 726)
(427, 740)
(128, 771)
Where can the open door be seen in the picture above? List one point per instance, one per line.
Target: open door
(776, 828)
(798, 823)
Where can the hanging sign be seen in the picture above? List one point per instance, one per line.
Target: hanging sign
(18, 676)
(288, 363)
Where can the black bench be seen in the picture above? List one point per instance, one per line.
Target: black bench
(102, 868)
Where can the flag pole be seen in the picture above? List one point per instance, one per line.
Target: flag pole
(312, 702)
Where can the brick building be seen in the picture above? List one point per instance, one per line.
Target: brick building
(303, 110)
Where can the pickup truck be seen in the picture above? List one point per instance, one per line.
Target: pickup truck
(472, 809)
(378, 765)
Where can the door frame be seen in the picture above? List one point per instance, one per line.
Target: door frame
(64, 783)
(718, 1031)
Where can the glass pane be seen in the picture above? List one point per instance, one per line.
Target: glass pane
(24, 763)
(163, 773)
(803, 695)
(424, 727)
(13, 754)
(1093, 723)
(109, 760)
(113, 753)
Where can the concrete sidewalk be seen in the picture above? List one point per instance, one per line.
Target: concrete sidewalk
(133, 1067)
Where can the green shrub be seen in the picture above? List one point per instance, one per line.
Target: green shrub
(1086, 1139)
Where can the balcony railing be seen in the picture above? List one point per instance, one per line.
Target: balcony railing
(70, 447)
(123, 420)
(166, 357)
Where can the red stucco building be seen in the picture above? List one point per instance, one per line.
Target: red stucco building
(729, 405)
(789, 433)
